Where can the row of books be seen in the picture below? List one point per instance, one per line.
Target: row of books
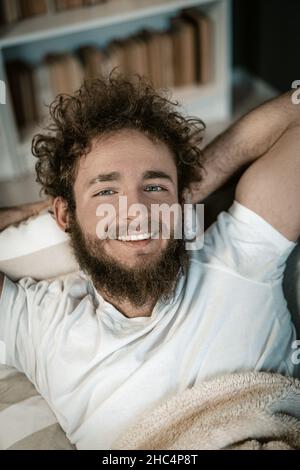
(12, 11)
(181, 55)
(15, 10)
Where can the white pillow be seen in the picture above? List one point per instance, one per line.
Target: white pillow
(36, 247)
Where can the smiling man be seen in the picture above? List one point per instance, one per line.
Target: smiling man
(131, 274)
(145, 319)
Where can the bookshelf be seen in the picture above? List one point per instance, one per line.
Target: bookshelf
(32, 38)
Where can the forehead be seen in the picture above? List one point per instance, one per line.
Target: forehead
(129, 152)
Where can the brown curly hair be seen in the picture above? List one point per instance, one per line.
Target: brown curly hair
(104, 106)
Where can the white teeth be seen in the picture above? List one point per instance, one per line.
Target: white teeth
(142, 236)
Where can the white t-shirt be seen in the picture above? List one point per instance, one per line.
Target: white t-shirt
(99, 370)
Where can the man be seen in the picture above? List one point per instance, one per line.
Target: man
(144, 318)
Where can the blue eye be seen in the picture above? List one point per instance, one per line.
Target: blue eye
(105, 192)
(154, 188)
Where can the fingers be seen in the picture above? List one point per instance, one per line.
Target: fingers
(34, 208)
(37, 207)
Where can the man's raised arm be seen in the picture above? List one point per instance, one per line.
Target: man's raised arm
(267, 139)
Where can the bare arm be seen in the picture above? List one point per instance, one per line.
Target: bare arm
(246, 140)
(271, 185)
(266, 141)
(15, 214)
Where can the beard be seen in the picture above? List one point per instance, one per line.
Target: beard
(138, 285)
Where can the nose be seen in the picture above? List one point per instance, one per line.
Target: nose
(137, 208)
(135, 195)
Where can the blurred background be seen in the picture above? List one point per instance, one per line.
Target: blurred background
(219, 59)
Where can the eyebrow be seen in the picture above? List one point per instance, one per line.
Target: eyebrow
(154, 174)
(115, 176)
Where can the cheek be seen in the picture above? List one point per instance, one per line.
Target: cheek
(93, 220)
(87, 219)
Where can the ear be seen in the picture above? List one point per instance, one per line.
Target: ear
(61, 213)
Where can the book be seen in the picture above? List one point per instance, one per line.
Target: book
(66, 72)
(167, 59)
(142, 65)
(68, 4)
(9, 11)
(92, 60)
(154, 59)
(133, 51)
(32, 7)
(183, 35)
(21, 85)
(204, 43)
(116, 56)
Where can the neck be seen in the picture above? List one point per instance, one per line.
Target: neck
(128, 309)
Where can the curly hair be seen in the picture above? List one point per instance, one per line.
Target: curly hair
(106, 105)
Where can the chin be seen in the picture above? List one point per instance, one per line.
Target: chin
(133, 254)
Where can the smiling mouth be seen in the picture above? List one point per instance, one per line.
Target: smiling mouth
(135, 237)
(136, 240)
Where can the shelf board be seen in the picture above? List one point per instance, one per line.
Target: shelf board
(82, 19)
(189, 93)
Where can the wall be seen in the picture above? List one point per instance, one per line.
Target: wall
(266, 39)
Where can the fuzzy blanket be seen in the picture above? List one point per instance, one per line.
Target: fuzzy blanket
(251, 410)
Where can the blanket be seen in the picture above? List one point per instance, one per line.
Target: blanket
(248, 410)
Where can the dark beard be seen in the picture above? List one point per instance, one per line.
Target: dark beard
(137, 285)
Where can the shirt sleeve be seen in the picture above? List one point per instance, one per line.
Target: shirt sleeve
(243, 242)
(20, 322)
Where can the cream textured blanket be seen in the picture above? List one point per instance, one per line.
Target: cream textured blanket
(251, 410)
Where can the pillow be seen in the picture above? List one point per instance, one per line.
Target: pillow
(27, 422)
(36, 247)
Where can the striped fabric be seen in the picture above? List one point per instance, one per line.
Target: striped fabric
(26, 421)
